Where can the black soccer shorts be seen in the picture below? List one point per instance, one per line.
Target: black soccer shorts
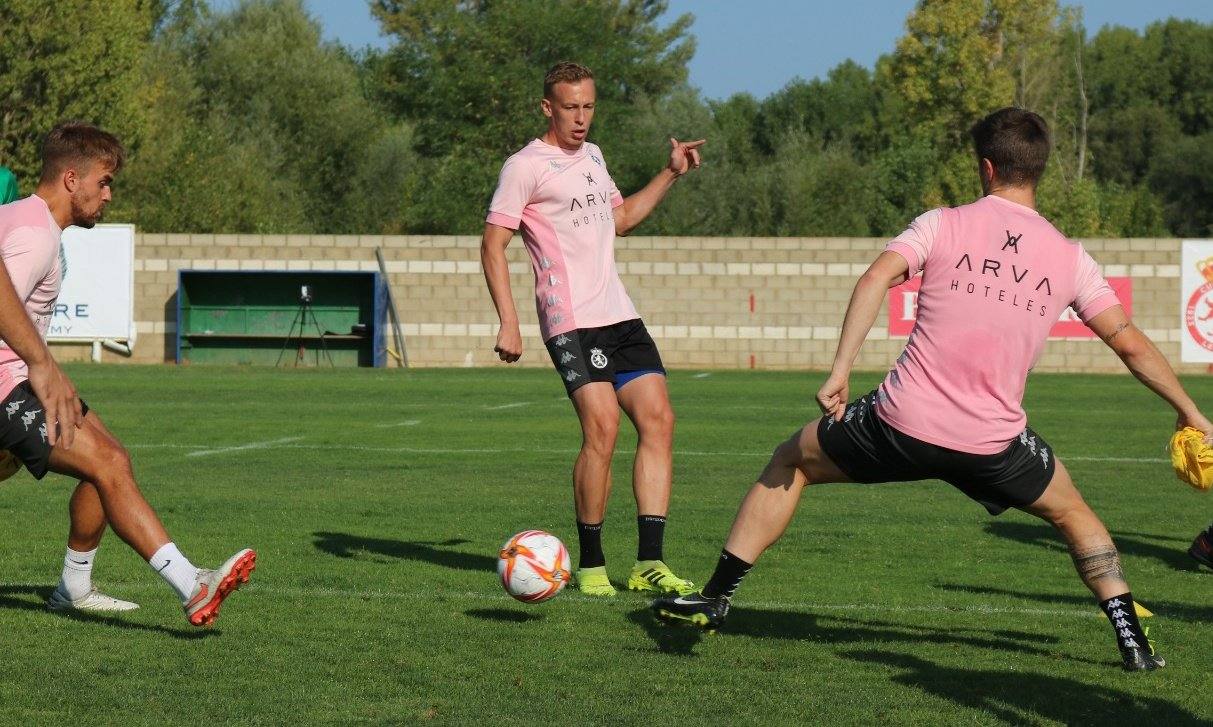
(616, 354)
(23, 429)
(870, 451)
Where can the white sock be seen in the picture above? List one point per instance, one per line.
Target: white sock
(176, 569)
(77, 578)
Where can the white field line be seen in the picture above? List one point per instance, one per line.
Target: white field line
(806, 606)
(288, 444)
(252, 445)
(513, 405)
(704, 375)
(405, 423)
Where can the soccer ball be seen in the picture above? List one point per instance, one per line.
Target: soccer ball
(533, 566)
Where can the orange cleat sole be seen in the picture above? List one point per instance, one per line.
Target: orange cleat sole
(238, 576)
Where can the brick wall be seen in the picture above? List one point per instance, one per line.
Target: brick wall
(694, 294)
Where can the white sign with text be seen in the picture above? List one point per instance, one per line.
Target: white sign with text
(97, 299)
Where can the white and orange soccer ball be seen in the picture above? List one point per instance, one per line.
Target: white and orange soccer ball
(533, 566)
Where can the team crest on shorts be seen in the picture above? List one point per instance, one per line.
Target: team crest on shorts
(598, 358)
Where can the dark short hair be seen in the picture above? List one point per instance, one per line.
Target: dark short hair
(564, 72)
(1016, 141)
(77, 144)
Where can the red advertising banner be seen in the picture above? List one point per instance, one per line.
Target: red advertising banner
(903, 309)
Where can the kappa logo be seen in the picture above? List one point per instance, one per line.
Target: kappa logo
(554, 299)
(598, 358)
(596, 160)
(1115, 603)
(562, 340)
(555, 166)
(556, 319)
(1044, 457)
(589, 178)
(1023, 437)
(28, 417)
(13, 408)
(545, 263)
(1032, 444)
(553, 280)
(42, 431)
(566, 357)
(570, 375)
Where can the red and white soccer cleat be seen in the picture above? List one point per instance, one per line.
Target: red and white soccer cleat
(213, 586)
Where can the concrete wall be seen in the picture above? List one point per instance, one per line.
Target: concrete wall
(694, 294)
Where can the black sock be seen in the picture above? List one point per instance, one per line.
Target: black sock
(729, 571)
(1120, 611)
(589, 542)
(652, 533)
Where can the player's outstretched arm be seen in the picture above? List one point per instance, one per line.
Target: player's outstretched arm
(50, 384)
(684, 156)
(888, 270)
(497, 275)
(1148, 364)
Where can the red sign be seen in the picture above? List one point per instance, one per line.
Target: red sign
(903, 309)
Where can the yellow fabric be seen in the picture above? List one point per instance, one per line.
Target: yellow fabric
(1192, 458)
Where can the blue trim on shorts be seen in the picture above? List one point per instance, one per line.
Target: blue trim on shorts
(627, 376)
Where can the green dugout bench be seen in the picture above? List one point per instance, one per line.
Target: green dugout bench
(258, 317)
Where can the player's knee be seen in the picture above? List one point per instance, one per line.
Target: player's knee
(600, 430)
(659, 422)
(113, 464)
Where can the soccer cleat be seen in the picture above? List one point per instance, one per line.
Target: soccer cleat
(693, 608)
(1138, 659)
(1202, 549)
(594, 582)
(655, 576)
(1142, 611)
(93, 602)
(212, 586)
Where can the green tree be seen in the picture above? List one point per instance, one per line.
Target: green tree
(250, 136)
(468, 75)
(68, 60)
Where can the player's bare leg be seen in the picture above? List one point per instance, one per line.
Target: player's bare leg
(646, 401)
(765, 513)
(1098, 565)
(598, 412)
(98, 458)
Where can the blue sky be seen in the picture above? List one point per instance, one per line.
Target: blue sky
(760, 45)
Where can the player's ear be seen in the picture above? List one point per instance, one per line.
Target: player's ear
(546, 105)
(71, 180)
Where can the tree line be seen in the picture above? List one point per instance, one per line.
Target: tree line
(242, 119)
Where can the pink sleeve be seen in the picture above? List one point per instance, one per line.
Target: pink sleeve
(29, 255)
(916, 242)
(1092, 294)
(514, 188)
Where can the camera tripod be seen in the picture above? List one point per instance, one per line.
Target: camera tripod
(301, 320)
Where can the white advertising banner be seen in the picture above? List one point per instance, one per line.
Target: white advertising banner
(97, 299)
(1196, 302)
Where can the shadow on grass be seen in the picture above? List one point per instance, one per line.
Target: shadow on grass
(1021, 697)
(806, 626)
(1139, 545)
(344, 545)
(11, 597)
(1160, 608)
(502, 615)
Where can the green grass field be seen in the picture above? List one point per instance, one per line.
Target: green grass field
(377, 500)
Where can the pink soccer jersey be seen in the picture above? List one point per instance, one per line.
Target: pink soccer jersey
(29, 245)
(995, 278)
(564, 203)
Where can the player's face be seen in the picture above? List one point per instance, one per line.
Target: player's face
(91, 194)
(570, 111)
